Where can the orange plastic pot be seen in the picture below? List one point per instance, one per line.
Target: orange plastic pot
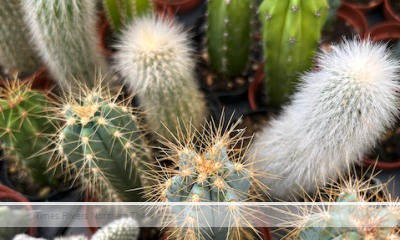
(40, 80)
(179, 7)
(366, 8)
(389, 13)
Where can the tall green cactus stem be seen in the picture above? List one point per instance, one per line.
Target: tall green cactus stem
(291, 30)
(155, 58)
(229, 34)
(16, 52)
(13, 222)
(65, 36)
(121, 12)
(25, 129)
(102, 141)
(333, 8)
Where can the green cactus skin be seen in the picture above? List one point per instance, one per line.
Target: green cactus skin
(208, 178)
(290, 34)
(16, 52)
(120, 229)
(229, 34)
(333, 8)
(341, 217)
(25, 129)
(102, 141)
(18, 217)
(65, 36)
(121, 12)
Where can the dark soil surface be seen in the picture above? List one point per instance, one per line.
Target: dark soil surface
(339, 29)
(361, 2)
(388, 149)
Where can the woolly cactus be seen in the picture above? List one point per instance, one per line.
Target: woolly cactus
(25, 129)
(290, 34)
(102, 141)
(333, 8)
(13, 218)
(155, 59)
(65, 36)
(229, 34)
(120, 12)
(16, 53)
(120, 229)
(27, 237)
(337, 115)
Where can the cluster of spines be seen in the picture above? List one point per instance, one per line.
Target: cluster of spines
(102, 142)
(16, 52)
(155, 59)
(26, 129)
(64, 33)
(291, 30)
(230, 34)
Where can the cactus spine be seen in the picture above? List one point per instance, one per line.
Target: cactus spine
(229, 34)
(13, 218)
(155, 59)
(16, 52)
(121, 12)
(25, 129)
(290, 34)
(337, 115)
(64, 33)
(102, 141)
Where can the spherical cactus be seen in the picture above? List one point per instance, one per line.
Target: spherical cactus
(337, 115)
(25, 129)
(102, 141)
(64, 33)
(120, 229)
(26, 237)
(16, 220)
(230, 34)
(155, 60)
(290, 33)
(74, 237)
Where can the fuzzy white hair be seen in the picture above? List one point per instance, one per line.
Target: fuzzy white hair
(336, 116)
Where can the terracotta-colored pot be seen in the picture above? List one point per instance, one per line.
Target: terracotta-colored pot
(41, 80)
(8, 193)
(179, 7)
(388, 12)
(255, 85)
(366, 8)
(379, 165)
(385, 31)
(355, 17)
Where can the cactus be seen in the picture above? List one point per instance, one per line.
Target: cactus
(333, 8)
(64, 33)
(155, 59)
(25, 129)
(121, 12)
(229, 34)
(102, 141)
(290, 34)
(337, 115)
(27, 237)
(13, 218)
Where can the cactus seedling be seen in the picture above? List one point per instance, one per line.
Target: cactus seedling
(102, 141)
(338, 114)
(16, 53)
(290, 33)
(155, 60)
(229, 34)
(25, 129)
(64, 33)
(13, 218)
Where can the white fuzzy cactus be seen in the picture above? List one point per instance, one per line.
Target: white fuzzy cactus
(336, 116)
(121, 229)
(74, 237)
(26, 237)
(155, 59)
(65, 36)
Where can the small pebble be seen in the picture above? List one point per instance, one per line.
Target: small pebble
(44, 191)
(229, 84)
(254, 67)
(210, 79)
(240, 80)
(205, 56)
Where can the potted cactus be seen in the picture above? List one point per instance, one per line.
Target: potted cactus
(391, 10)
(178, 6)
(365, 6)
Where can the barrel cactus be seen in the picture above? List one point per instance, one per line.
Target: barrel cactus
(102, 141)
(13, 222)
(25, 129)
(336, 117)
(121, 12)
(230, 34)
(64, 33)
(290, 33)
(155, 59)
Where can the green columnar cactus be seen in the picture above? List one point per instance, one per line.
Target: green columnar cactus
(155, 59)
(25, 129)
(13, 218)
(102, 141)
(290, 34)
(333, 8)
(229, 34)
(16, 53)
(120, 229)
(121, 12)
(65, 36)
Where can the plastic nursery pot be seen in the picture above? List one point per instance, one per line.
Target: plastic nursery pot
(8, 193)
(355, 17)
(366, 8)
(255, 85)
(40, 80)
(389, 13)
(386, 31)
(178, 6)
